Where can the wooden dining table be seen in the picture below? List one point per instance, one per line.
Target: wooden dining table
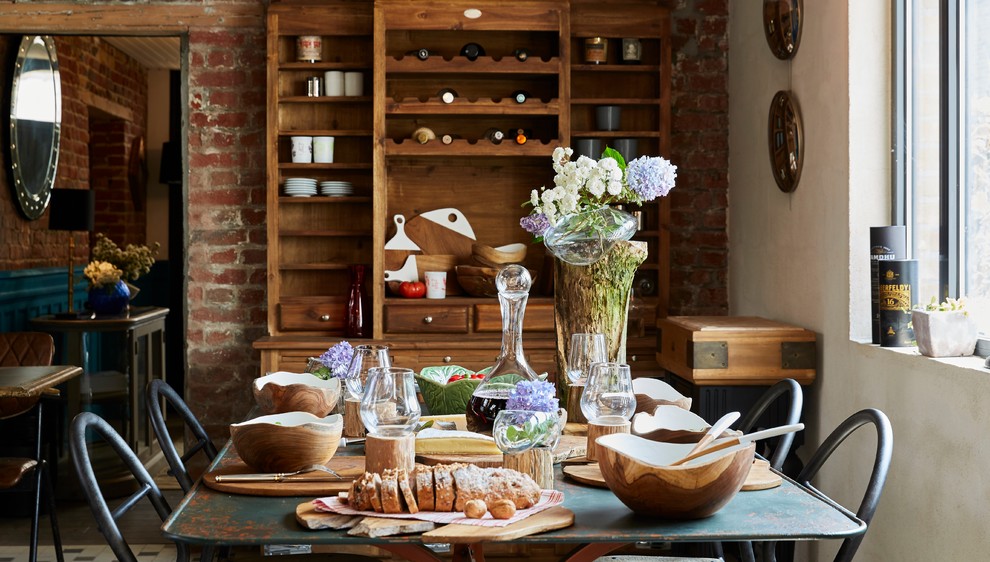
(207, 517)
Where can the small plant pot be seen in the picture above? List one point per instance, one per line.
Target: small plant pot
(944, 334)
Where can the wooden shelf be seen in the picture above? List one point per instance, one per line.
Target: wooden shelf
(463, 147)
(324, 99)
(317, 266)
(462, 66)
(462, 106)
(325, 133)
(323, 199)
(324, 233)
(615, 101)
(327, 166)
(616, 134)
(630, 68)
(324, 66)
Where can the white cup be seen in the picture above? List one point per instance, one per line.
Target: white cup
(333, 82)
(353, 84)
(323, 150)
(436, 284)
(302, 150)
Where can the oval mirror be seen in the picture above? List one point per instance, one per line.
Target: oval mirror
(35, 123)
(782, 26)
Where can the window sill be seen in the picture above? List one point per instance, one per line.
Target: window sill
(973, 363)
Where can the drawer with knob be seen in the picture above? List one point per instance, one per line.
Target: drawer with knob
(325, 314)
(431, 319)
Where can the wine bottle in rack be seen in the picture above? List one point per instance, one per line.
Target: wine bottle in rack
(521, 54)
(421, 54)
(448, 138)
(520, 96)
(447, 95)
(494, 136)
(522, 136)
(472, 51)
(423, 135)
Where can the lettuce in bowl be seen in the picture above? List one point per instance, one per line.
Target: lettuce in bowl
(443, 396)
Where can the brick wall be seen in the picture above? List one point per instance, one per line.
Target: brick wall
(92, 72)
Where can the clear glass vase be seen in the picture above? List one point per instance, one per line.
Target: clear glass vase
(513, 283)
(583, 238)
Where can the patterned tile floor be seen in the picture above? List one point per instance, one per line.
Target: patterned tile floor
(96, 553)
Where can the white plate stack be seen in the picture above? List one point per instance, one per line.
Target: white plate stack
(300, 187)
(336, 188)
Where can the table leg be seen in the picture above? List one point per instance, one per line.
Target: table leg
(591, 551)
(411, 552)
(468, 553)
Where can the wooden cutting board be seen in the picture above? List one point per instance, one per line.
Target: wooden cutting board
(568, 446)
(557, 517)
(435, 238)
(761, 477)
(348, 467)
(590, 474)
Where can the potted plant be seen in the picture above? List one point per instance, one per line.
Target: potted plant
(133, 261)
(944, 329)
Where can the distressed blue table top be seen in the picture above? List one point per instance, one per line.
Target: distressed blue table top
(788, 512)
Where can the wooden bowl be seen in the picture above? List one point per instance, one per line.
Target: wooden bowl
(287, 442)
(281, 392)
(502, 255)
(480, 281)
(651, 393)
(673, 424)
(637, 471)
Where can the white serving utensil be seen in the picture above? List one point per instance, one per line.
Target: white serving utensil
(741, 440)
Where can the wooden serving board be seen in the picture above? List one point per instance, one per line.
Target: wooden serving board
(568, 446)
(435, 238)
(590, 474)
(557, 517)
(348, 467)
(310, 518)
(761, 477)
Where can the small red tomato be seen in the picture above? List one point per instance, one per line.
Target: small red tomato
(455, 378)
(478, 376)
(412, 289)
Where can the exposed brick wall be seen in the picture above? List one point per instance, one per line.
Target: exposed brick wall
(226, 216)
(700, 148)
(93, 71)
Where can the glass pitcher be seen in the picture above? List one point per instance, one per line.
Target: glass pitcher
(513, 283)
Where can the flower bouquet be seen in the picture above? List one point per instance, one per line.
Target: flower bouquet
(577, 218)
(108, 294)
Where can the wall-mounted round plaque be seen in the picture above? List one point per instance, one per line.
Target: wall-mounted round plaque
(782, 26)
(785, 138)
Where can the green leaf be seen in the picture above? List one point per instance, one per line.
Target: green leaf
(445, 398)
(610, 152)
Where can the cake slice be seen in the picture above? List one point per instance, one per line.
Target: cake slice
(407, 491)
(375, 492)
(424, 489)
(391, 498)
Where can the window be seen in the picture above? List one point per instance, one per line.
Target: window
(942, 146)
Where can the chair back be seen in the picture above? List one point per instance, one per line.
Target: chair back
(784, 442)
(156, 391)
(26, 349)
(881, 465)
(106, 519)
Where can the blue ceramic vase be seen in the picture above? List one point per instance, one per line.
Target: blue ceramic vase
(109, 301)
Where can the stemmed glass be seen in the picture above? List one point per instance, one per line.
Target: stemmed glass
(365, 358)
(608, 396)
(389, 407)
(585, 350)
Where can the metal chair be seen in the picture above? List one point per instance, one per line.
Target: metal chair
(157, 390)
(25, 349)
(881, 465)
(753, 415)
(106, 518)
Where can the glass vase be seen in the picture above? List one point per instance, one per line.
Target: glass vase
(513, 283)
(111, 300)
(583, 238)
(516, 431)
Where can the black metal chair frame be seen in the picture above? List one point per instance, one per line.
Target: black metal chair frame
(878, 476)
(106, 518)
(157, 390)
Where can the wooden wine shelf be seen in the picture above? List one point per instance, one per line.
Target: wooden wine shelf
(463, 147)
(462, 66)
(462, 106)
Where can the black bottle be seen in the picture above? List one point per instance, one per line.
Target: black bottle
(447, 95)
(520, 96)
(494, 135)
(472, 51)
(521, 55)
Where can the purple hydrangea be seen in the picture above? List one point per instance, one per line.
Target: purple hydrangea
(651, 177)
(537, 396)
(337, 359)
(535, 224)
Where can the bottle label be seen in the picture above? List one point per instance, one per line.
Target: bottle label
(595, 50)
(309, 48)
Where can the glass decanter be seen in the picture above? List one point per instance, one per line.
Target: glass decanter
(513, 283)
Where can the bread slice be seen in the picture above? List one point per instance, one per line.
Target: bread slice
(375, 492)
(391, 498)
(443, 488)
(407, 492)
(424, 489)
(359, 495)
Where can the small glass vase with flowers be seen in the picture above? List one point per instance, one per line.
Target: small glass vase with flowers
(528, 429)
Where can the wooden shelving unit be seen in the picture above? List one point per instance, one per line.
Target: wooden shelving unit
(312, 240)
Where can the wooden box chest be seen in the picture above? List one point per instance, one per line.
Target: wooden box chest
(735, 350)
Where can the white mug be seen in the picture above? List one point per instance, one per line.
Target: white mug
(323, 150)
(302, 149)
(333, 81)
(436, 284)
(353, 84)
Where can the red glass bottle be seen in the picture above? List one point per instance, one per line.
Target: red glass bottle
(356, 325)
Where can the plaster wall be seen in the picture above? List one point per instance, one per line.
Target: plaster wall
(802, 258)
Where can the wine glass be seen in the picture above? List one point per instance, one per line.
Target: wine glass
(608, 396)
(389, 407)
(365, 358)
(586, 349)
